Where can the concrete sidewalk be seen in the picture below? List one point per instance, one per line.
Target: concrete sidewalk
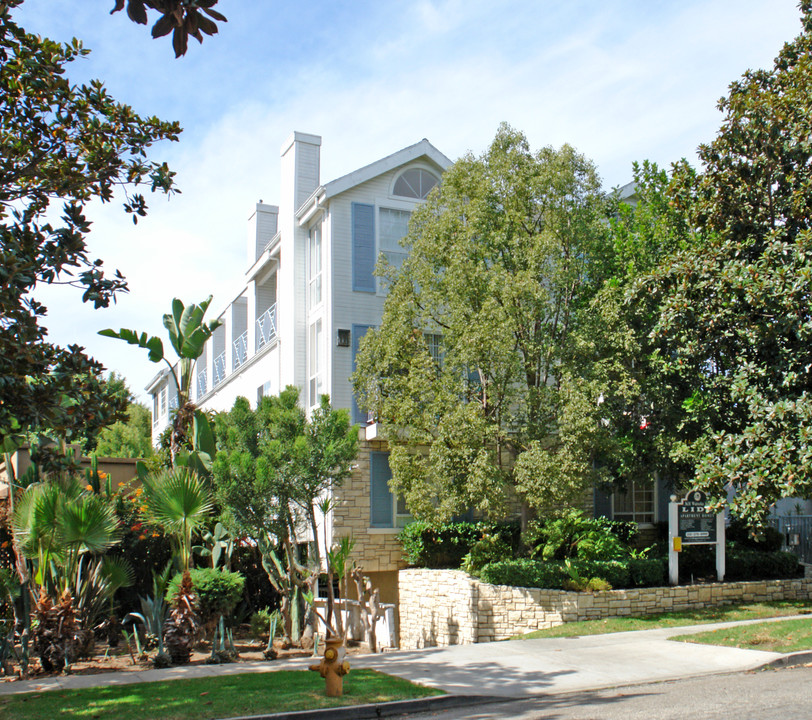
(516, 668)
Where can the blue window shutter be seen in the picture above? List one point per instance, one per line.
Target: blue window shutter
(358, 332)
(380, 497)
(602, 503)
(363, 247)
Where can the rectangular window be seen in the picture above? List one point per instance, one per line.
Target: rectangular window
(314, 267)
(636, 504)
(434, 342)
(385, 510)
(316, 362)
(263, 391)
(164, 393)
(155, 408)
(392, 228)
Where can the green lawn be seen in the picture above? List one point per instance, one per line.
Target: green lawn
(725, 613)
(220, 697)
(783, 637)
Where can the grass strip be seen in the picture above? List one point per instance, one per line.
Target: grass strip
(212, 697)
(723, 613)
(784, 636)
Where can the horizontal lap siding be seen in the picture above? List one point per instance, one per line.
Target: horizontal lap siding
(349, 307)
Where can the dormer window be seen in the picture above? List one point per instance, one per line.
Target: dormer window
(415, 183)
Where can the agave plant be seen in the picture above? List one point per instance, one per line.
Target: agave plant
(180, 502)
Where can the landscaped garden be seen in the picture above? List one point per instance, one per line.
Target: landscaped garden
(571, 551)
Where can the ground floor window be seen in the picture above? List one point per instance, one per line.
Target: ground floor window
(637, 503)
(385, 510)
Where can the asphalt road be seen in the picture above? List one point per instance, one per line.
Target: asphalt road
(784, 694)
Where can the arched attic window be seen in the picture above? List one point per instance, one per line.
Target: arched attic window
(415, 183)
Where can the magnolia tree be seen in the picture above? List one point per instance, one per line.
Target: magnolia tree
(734, 320)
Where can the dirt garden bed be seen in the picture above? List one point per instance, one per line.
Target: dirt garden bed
(106, 660)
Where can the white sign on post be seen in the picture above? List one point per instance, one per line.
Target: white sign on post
(690, 523)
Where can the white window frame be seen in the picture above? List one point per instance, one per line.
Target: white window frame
(315, 270)
(400, 205)
(635, 513)
(416, 166)
(316, 361)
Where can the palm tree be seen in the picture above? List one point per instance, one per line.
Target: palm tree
(180, 502)
(59, 524)
(64, 531)
(188, 333)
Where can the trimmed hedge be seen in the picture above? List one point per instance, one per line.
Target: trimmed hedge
(635, 572)
(445, 546)
(745, 564)
(741, 564)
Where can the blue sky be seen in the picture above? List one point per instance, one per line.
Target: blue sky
(621, 80)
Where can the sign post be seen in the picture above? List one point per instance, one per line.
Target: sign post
(689, 523)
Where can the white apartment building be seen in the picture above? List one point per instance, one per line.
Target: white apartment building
(307, 298)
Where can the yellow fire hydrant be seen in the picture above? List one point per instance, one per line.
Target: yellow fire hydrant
(333, 667)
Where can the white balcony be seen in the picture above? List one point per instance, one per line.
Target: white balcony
(266, 327)
(241, 350)
(219, 369)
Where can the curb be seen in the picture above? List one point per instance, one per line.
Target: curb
(797, 658)
(398, 707)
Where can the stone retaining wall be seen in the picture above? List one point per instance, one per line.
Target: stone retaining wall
(449, 607)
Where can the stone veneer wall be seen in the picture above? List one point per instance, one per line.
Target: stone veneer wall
(374, 550)
(448, 607)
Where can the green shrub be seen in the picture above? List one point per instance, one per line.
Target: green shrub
(445, 546)
(577, 574)
(490, 548)
(648, 572)
(574, 535)
(745, 564)
(525, 573)
(259, 623)
(219, 591)
(615, 572)
(766, 539)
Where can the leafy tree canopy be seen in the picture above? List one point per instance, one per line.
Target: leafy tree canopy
(129, 438)
(470, 367)
(67, 144)
(274, 458)
(735, 314)
(182, 18)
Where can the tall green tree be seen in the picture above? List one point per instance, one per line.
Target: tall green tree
(736, 305)
(129, 438)
(468, 370)
(60, 145)
(621, 380)
(273, 465)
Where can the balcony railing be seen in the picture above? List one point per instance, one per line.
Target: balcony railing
(241, 349)
(219, 369)
(202, 382)
(266, 327)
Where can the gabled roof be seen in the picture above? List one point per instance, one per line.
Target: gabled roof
(422, 149)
